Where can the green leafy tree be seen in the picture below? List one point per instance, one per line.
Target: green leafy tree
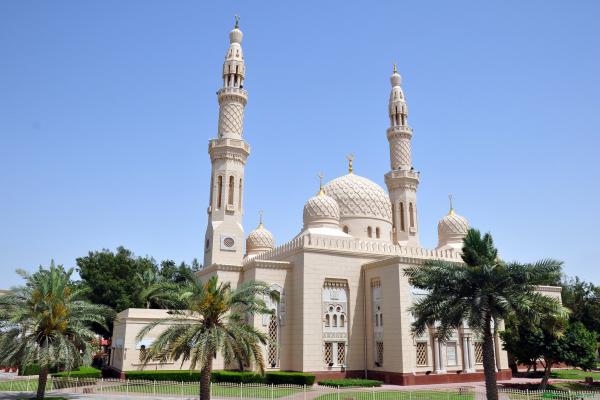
(483, 290)
(113, 278)
(210, 317)
(583, 299)
(179, 274)
(47, 322)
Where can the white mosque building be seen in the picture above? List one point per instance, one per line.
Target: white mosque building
(344, 300)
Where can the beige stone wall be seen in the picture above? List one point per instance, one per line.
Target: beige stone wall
(126, 355)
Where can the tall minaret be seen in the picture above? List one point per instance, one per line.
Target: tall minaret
(224, 243)
(402, 180)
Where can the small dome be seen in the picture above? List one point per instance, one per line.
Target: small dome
(259, 241)
(453, 224)
(236, 36)
(451, 230)
(360, 197)
(321, 209)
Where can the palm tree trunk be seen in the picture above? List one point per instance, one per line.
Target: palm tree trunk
(489, 363)
(547, 370)
(205, 380)
(42, 379)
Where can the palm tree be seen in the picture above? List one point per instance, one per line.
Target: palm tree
(211, 317)
(483, 291)
(157, 290)
(46, 321)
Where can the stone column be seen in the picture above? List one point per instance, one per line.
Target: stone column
(471, 352)
(441, 352)
(436, 356)
(465, 354)
(495, 358)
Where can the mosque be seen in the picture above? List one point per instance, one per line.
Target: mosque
(344, 300)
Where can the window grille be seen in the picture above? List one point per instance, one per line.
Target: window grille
(422, 353)
(143, 353)
(379, 354)
(272, 348)
(328, 356)
(341, 353)
(478, 352)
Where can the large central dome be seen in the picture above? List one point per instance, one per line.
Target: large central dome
(359, 197)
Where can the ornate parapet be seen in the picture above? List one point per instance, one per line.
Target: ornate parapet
(357, 246)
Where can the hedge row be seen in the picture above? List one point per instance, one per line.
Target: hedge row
(290, 378)
(82, 372)
(275, 378)
(351, 383)
(237, 377)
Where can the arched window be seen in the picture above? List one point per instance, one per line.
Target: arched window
(393, 218)
(377, 233)
(240, 196)
(342, 320)
(230, 194)
(369, 232)
(345, 229)
(380, 319)
(402, 216)
(327, 320)
(220, 191)
(334, 321)
(411, 215)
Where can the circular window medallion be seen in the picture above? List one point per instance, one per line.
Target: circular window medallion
(228, 242)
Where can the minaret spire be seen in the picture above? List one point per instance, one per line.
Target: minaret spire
(228, 155)
(402, 180)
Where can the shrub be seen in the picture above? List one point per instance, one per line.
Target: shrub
(176, 375)
(289, 378)
(31, 369)
(237, 377)
(82, 372)
(194, 376)
(351, 383)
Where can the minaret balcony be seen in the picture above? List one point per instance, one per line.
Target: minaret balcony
(228, 148)
(233, 93)
(399, 131)
(402, 178)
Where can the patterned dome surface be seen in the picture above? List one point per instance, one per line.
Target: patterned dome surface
(260, 238)
(359, 197)
(453, 224)
(321, 206)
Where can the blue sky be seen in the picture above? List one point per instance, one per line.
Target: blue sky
(106, 109)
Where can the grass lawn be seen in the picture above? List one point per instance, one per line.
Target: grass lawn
(21, 385)
(573, 386)
(573, 374)
(398, 395)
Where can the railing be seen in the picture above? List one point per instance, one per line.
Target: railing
(142, 389)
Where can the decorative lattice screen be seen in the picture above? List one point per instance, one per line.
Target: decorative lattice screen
(143, 353)
(422, 353)
(272, 349)
(341, 353)
(379, 353)
(328, 353)
(478, 352)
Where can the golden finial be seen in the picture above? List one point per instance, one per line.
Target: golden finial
(237, 21)
(321, 191)
(395, 69)
(451, 206)
(260, 218)
(350, 158)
